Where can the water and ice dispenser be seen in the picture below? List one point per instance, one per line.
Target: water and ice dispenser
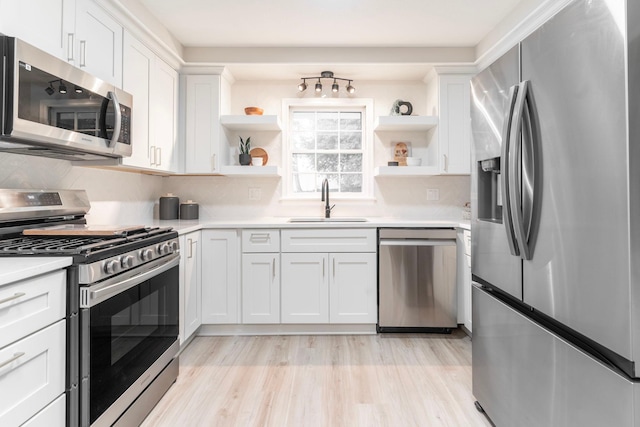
(489, 191)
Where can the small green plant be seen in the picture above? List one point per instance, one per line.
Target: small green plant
(245, 146)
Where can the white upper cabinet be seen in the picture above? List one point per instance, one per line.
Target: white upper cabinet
(203, 95)
(154, 86)
(77, 31)
(47, 24)
(98, 42)
(454, 130)
(138, 63)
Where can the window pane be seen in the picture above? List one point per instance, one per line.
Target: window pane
(351, 163)
(328, 121)
(303, 141)
(333, 181)
(350, 140)
(303, 121)
(351, 121)
(327, 162)
(327, 141)
(351, 183)
(87, 121)
(66, 121)
(304, 162)
(304, 183)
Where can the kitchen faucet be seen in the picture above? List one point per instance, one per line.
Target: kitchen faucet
(325, 189)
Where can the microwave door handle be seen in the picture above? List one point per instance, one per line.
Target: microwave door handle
(118, 119)
(515, 171)
(505, 172)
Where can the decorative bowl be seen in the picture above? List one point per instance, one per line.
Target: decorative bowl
(414, 161)
(253, 111)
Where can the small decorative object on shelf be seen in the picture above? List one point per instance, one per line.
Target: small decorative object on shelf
(401, 108)
(245, 158)
(253, 111)
(400, 153)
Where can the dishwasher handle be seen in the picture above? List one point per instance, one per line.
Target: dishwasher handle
(416, 242)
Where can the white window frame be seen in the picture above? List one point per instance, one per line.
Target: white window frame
(367, 145)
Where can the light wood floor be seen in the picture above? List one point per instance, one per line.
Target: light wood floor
(364, 380)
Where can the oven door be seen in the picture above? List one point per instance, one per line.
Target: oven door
(129, 333)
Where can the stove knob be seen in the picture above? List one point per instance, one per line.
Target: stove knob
(112, 266)
(127, 261)
(146, 254)
(162, 249)
(174, 246)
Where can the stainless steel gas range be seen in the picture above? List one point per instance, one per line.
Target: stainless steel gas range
(122, 302)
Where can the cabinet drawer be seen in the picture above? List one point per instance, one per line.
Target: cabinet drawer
(29, 305)
(260, 240)
(54, 415)
(31, 374)
(329, 240)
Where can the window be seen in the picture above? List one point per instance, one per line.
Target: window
(328, 141)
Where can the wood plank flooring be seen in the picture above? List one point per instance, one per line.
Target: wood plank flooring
(341, 380)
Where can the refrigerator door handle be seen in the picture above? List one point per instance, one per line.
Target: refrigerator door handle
(505, 173)
(515, 171)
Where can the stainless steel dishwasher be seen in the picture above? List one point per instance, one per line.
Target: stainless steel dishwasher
(417, 280)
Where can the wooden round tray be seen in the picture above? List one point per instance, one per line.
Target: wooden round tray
(259, 152)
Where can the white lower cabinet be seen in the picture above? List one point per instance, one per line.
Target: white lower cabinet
(352, 288)
(261, 288)
(190, 284)
(305, 288)
(32, 374)
(220, 277)
(338, 286)
(53, 415)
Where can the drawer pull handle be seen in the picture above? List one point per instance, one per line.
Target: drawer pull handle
(15, 357)
(260, 237)
(11, 298)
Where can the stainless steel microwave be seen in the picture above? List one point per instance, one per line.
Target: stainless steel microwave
(53, 109)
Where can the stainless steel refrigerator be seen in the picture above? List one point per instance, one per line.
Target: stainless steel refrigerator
(556, 223)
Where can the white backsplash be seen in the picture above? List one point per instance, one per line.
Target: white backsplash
(130, 198)
(116, 197)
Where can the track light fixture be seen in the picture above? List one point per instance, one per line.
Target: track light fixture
(62, 88)
(326, 75)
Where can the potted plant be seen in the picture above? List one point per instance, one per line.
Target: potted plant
(244, 157)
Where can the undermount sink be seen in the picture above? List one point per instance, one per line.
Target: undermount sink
(318, 219)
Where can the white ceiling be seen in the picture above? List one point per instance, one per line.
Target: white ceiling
(330, 23)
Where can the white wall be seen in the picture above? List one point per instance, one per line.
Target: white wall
(224, 197)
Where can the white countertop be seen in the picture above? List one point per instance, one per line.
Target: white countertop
(183, 227)
(13, 269)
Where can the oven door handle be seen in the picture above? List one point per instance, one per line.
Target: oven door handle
(93, 295)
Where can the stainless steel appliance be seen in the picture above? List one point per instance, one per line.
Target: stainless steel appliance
(50, 108)
(122, 313)
(417, 280)
(556, 223)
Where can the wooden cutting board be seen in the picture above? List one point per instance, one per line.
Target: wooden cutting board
(83, 230)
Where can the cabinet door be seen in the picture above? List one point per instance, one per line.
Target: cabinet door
(163, 115)
(202, 124)
(46, 24)
(190, 252)
(353, 288)
(304, 289)
(99, 42)
(220, 276)
(32, 374)
(138, 64)
(261, 288)
(454, 131)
